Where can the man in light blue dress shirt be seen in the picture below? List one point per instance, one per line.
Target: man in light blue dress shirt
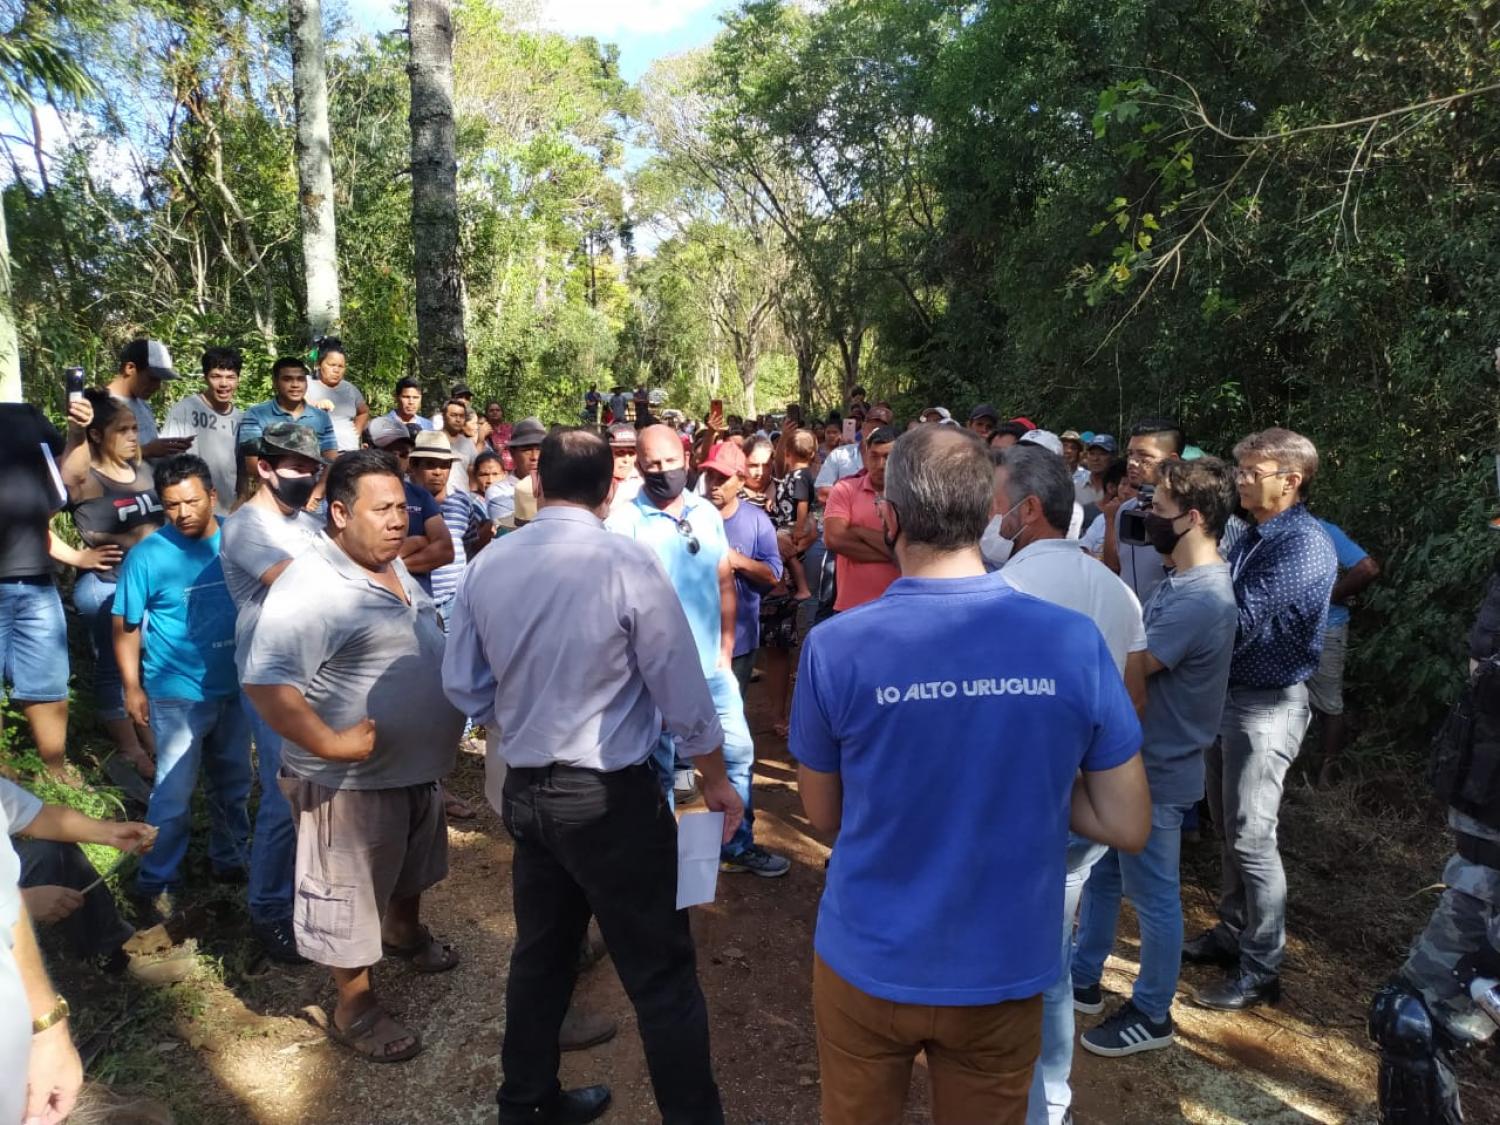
(579, 673)
(687, 534)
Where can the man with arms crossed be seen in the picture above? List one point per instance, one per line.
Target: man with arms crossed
(925, 941)
(1190, 622)
(366, 734)
(572, 776)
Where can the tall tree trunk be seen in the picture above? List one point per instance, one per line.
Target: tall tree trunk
(314, 166)
(10, 350)
(748, 364)
(442, 352)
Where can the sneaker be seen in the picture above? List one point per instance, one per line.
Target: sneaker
(1126, 1032)
(757, 861)
(279, 941)
(1088, 999)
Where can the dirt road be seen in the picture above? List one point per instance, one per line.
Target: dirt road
(235, 1048)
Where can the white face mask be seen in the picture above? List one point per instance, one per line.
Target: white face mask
(995, 547)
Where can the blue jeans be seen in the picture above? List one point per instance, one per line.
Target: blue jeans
(273, 856)
(33, 641)
(739, 754)
(94, 598)
(1259, 738)
(1151, 881)
(1050, 1093)
(216, 732)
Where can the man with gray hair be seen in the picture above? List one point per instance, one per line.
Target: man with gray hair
(1283, 570)
(1034, 502)
(925, 942)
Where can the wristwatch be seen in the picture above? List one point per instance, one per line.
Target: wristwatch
(56, 1015)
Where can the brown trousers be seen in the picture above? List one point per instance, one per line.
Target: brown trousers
(979, 1059)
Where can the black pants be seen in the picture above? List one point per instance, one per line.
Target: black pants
(95, 927)
(603, 844)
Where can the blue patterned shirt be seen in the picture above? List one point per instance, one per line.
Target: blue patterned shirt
(1283, 573)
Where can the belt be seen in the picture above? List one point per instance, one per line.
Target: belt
(558, 769)
(1476, 849)
(27, 580)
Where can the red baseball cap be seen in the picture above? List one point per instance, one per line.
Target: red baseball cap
(1027, 422)
(727, 459)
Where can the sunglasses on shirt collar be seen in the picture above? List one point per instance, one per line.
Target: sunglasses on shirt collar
(686, 532)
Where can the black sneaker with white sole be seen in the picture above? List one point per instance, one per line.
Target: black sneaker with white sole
(1127, 1032)
(1088, 999)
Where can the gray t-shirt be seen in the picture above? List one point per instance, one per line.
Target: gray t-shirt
(356, 650)
(255, 540)
(1190, 626)
(213, 437)
(458, 477)
(347, 400)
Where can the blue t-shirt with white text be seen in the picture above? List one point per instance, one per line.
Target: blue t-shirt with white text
(956, 712)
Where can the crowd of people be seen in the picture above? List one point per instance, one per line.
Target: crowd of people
(307, 601)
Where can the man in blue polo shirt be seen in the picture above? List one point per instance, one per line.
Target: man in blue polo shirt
(687, 534)
(173, 582)
(924, 940)
(288, 403)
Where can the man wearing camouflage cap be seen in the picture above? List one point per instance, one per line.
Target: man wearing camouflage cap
(261, 539)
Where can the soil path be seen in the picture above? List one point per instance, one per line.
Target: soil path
(237, 1049)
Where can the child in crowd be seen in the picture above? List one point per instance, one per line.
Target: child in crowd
(792, 511)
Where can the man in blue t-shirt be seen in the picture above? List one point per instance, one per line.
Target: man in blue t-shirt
(753, 554)
(173, 581)
(1325, 690)
(937, 929)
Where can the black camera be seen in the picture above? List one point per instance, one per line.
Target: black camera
(1133, 521)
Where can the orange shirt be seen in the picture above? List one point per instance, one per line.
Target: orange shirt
(853, 499)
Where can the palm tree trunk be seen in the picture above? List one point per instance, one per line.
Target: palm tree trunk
(442, 351)
(314, 166)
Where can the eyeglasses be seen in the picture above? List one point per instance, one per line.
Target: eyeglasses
(686, 532)
(1248, 476)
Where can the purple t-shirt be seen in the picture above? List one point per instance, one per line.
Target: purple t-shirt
(749, 532)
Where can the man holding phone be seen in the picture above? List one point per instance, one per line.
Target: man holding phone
(144, 366)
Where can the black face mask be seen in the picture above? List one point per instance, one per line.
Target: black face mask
(665, 486)
(1159, 530)
(294, 492)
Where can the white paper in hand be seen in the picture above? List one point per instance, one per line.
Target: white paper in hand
(698, 838)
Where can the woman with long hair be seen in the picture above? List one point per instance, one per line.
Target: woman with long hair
(112, 502)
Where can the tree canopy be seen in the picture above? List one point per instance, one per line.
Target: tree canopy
(1239, 214)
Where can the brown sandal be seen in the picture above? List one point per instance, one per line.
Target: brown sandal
(363, 1037)
(428, 955)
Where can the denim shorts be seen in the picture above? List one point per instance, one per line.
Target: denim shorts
(33, 641)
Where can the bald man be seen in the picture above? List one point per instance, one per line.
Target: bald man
(687, 534)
